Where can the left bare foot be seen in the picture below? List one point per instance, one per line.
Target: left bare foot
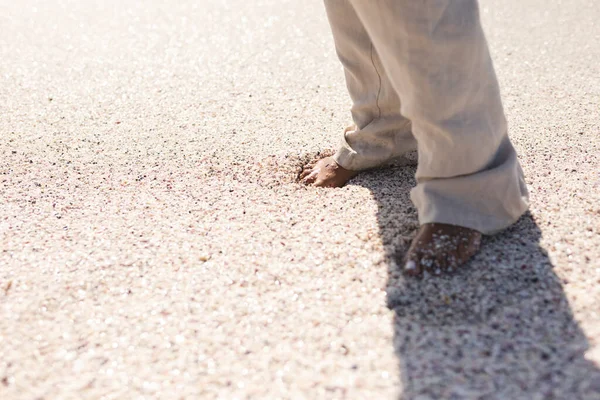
(326, 173)
(441, 247)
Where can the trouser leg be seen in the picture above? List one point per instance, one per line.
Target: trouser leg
(382, 132)
(436, 56)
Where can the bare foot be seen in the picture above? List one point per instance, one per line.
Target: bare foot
(440, 247)
(326, 173)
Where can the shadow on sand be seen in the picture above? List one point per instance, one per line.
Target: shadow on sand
(501, 328)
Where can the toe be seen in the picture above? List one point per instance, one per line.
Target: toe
(412, 263)
(305, 172)
(442, 260)
(453, 260)
(429, 263)
(310, 178)
(311, 164)
(411, 268)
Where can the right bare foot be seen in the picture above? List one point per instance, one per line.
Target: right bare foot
(441, 248)
(326, 173)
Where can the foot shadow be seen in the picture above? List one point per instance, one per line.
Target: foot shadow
(501, 328)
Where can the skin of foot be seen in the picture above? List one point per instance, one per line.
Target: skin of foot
(325, 173)
(439, 248)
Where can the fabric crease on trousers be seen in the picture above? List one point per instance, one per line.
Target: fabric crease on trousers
(420, 76)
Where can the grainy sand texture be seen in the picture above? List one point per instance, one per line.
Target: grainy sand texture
(155, 245)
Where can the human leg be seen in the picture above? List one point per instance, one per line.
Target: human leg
(380, 132)
(468, 178)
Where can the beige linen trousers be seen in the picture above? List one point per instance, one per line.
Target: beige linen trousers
(420, 77)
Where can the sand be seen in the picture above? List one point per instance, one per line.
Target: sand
(155, 245)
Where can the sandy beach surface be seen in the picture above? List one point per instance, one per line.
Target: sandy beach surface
(154, 243)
